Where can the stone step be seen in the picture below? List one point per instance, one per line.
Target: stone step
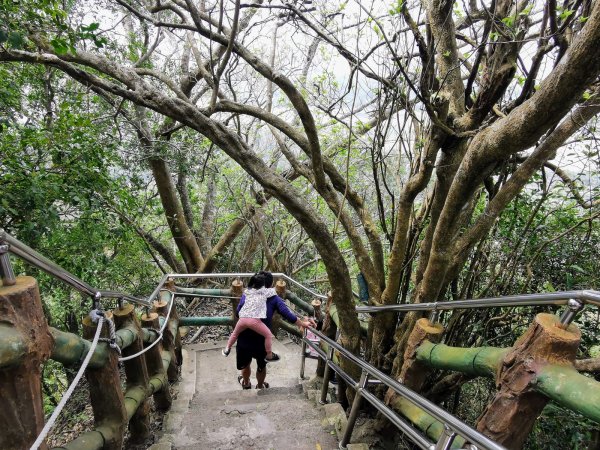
(279, 418)
(216, 372)
(215, 412)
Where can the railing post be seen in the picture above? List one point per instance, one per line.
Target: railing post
(303, 359)
(330, 330)
(446, 439)
(573, 307)
(25, 344)
(318, 314)
(237, 289)
(280, 288)
(326, 375)
(106, 395)
(136, 373)
(511, 414)
(170, 336)
(316, 304)
(154, 363)
(364, 379)
(7, 275)
(413, 373)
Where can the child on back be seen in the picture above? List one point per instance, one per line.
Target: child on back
(254, 309)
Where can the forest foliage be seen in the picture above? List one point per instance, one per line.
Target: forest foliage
(442, 150)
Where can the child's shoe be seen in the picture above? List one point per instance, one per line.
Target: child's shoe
(226, 351)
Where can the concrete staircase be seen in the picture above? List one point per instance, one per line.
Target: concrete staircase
(213, 412)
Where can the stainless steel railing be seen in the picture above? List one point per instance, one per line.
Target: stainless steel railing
(9, 244)
(549, 298)
(370, 375)
(235, 275)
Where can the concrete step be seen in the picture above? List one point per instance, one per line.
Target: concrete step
(279, 418)
(214, 412)
(216, 372)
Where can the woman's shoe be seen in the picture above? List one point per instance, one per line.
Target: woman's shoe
(241, 381)
(273, 358)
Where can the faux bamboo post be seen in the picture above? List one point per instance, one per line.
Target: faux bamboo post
(170, 339)
(510, 416)
(135, 372)
(106, 395)
(22, 414)
(316, 304)
(154, 363)
(276, 323)
(280, 286)
(330, 330)
(237, 289)
(170, 285)
(413, 372)
(174, 320)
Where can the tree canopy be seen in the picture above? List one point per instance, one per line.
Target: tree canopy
(441, 150)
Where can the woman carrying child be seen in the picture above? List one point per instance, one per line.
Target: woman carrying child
(251, 313)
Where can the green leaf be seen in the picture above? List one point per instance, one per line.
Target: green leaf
(548, 287)
(3, 35)
(60, 46)
(508, 21)
(577, 269)
(566, 13)
(446, 53)
(15, 40)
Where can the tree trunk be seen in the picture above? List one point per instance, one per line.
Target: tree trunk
(182, 234)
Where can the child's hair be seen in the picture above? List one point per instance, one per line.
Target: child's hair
(257, 281)
(268, 278)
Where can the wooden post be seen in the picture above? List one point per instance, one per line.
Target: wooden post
(413, 372)
(136, 373)
(510, 416)
(171, 340)
(237, 289)
(280, 287)
(154, 363)
(106, 395)
(316, 304)
(174, 323)
(170, 285)
(22, 413)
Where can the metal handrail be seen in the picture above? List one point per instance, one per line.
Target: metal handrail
(549, 298)
(453, 423)
(240, 275)
(28, 254)
(34, 258)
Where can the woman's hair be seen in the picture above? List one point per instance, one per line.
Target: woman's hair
(257, 281)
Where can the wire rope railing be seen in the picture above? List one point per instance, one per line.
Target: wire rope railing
(63, 401)
(159, 337)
